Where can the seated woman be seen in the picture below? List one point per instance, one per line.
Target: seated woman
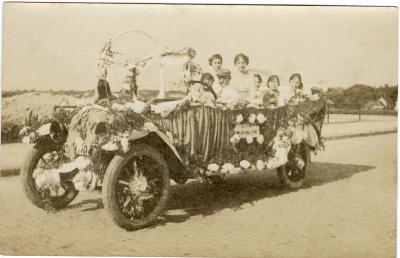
(228, 95)
(215, 62)
(296, 94)
(271, 94)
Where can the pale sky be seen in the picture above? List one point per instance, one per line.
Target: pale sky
(56, 46)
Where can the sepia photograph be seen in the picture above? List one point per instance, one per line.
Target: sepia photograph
(194, 130)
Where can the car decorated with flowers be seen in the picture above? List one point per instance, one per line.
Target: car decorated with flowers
(132, 149)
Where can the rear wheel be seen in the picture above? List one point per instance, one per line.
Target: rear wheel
(136, 187)
(41, 197)
(291, 174)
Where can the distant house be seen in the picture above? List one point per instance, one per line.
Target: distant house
(376, 105)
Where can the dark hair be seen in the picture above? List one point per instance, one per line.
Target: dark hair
(213, 57)
(273, 77)
(243, 56)
(258, 77)
(191, 50)
(206, 76)
(299, 77)
(209, 76)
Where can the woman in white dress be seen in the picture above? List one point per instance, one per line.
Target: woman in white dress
(228, 95)
(243, 81)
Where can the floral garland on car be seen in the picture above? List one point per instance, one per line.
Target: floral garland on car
(252, 152)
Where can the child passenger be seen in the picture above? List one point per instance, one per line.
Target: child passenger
(202, 91)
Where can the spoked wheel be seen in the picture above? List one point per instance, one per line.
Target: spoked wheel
(135, 187)
(38, 158)
(290, 174)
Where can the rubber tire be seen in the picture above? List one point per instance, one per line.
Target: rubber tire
(109, 195)
(28, 183)
(285, 180)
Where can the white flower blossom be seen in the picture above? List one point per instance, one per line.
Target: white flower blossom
(252, 118)
(24, 131)
(261, 118)
(125, 144)
(239, 119)
(300, 162)
(227, 168)
(260, 165)
(213, 167)
(245, 164)
(260, 138)
(249, 139)
(235, 138)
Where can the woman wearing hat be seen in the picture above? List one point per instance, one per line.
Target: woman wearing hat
(228, 95)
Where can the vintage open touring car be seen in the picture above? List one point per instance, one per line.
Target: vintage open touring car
(131, 150)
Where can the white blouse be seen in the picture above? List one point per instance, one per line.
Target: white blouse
(244, 84)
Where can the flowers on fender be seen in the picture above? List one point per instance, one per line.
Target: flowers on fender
(261, 118)
(239, 119)
(252, 118)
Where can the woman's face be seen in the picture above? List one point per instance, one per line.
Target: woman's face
(295, 83)
(241, 65)
(224, 81)
(192, 54)
(273, 84)
(207, 83)
(216, 64)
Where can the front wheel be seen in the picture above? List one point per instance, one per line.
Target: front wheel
(293, 173)
(136, 187)
(40, 157)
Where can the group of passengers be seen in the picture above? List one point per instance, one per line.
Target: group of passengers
(220, 85)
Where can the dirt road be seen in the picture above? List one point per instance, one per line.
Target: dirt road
(347, 209)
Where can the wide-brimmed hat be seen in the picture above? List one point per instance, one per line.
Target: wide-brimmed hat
(224, 73)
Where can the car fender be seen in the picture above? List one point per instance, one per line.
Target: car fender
(145, 133)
